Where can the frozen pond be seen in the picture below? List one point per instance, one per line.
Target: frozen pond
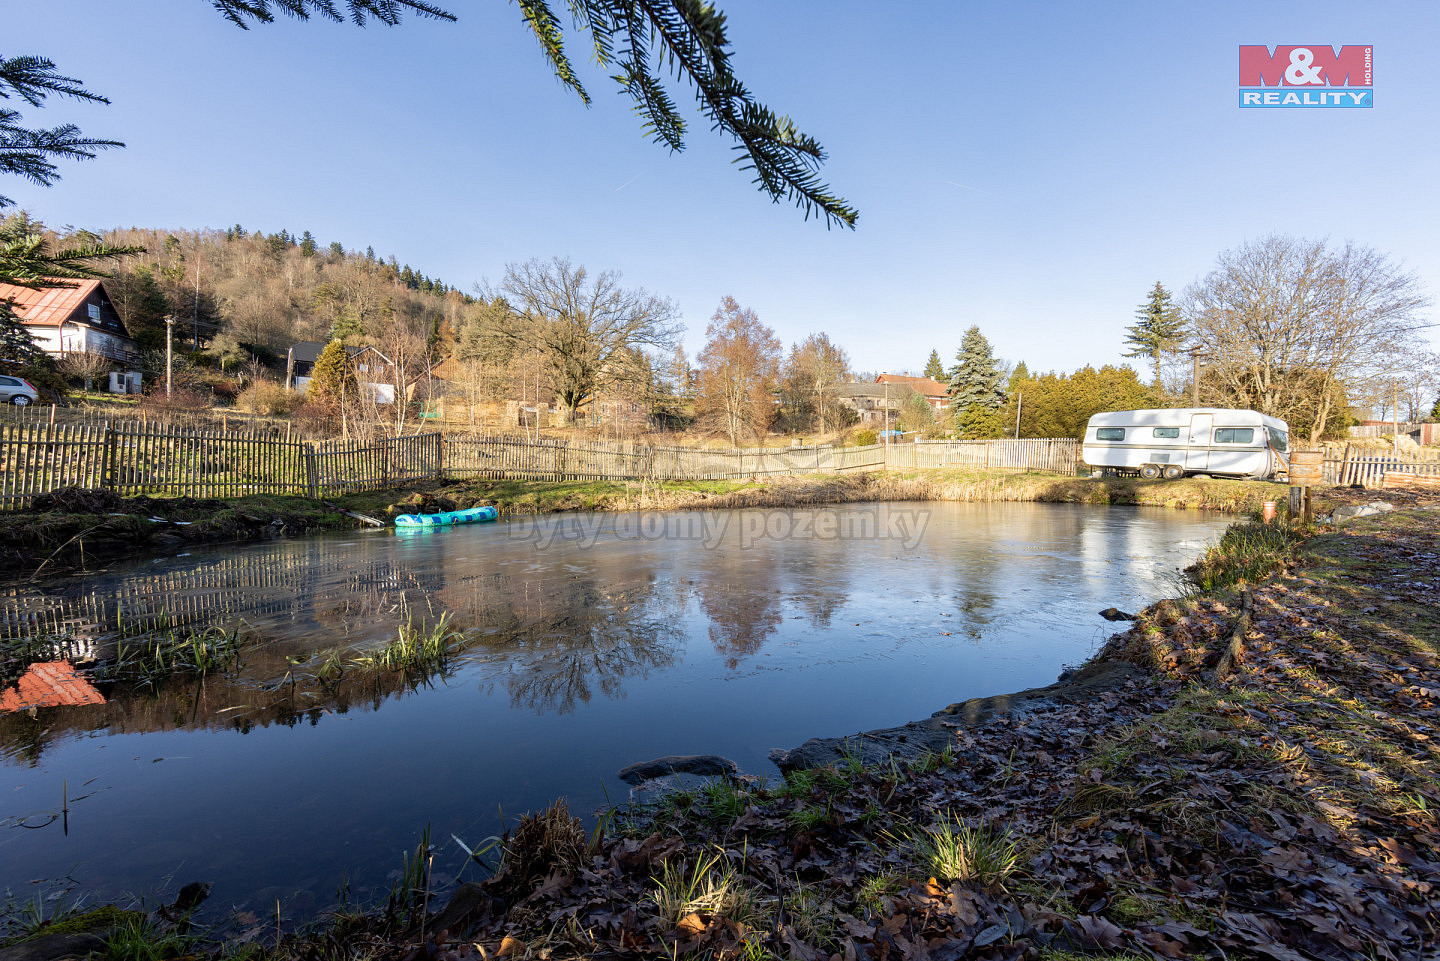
(597, 640)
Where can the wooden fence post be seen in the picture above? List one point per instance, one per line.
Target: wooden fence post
(439, 457)
(107, 461)
(312, 473)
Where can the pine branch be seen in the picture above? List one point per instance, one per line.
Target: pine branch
(783, 158)
(692, 44)
(34, 78)
(27, 153)
(26, 259)
(388, 12)
(547, 30)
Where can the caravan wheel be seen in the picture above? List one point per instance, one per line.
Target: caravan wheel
(1150, 471)
(1174, 472)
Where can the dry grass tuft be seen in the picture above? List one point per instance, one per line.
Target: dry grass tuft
(543, 844)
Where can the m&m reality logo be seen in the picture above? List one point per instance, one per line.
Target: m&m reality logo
(1314, 75)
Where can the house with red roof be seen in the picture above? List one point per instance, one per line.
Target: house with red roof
(936, 393)
(79, 319)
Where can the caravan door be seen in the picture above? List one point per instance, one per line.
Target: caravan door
(1197, 457)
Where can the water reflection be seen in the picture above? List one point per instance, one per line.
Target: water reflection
(590, 646)
(557, 612)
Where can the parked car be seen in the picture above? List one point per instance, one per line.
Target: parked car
(17, 391)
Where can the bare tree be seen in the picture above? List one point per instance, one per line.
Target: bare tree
(739, 367)
(815, 368)
(584, 327)
(85, 366)
(1413, 385)
(1290, 325)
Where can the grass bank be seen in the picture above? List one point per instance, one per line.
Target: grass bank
(531, 497)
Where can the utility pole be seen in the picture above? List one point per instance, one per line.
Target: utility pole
(1019, 406)
(195, 321)
(1395, 409)
(1195, 354)
(169, 331)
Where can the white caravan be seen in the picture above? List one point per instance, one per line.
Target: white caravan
(1188, 440)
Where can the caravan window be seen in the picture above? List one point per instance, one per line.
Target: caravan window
(1109, 433)
(1170, 432)
(1234, 435)
(1278, 440)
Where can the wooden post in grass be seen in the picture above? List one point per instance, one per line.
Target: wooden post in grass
(1306, 471)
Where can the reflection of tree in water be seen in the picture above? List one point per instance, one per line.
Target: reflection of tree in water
(740, 592)
(24, 737)
(584, 640)
(819, 575)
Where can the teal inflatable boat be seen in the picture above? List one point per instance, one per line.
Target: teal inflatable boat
(474, 515)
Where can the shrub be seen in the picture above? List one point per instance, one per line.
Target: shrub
(177, 401)
(265, 397)
(865, 438)
(225, 389)
(316, 417)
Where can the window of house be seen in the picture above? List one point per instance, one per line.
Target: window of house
(1234, 435)
(1109, 433)
(1170, 432)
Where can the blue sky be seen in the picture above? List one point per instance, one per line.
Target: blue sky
(1032, 168)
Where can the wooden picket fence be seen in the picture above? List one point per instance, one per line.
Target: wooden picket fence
(1055, 455)
(1368, 469)
(134, 459)
(498, 455)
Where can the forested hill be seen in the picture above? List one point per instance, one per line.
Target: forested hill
(248, 292)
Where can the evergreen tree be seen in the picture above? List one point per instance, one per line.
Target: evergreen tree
(337, 250)
(142, 305)
(933, 368)
(17, 347)
(975, 391)
(370, 254)
(307, 245)
(1159, 329)
(1018, 376)
(332, 379)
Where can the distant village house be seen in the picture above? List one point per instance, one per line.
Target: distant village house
(373, 370)
(73, 320)
(871, 401)
(935, 393)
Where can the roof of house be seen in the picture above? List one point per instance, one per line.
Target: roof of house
(860, 389)
(50, 305)
(924, 386)
(309, 351)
